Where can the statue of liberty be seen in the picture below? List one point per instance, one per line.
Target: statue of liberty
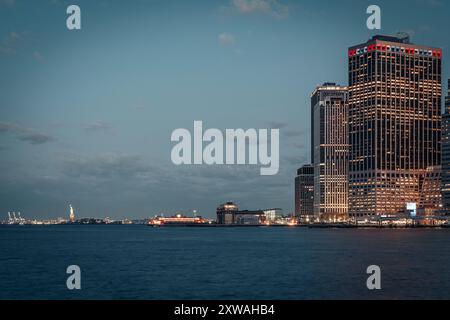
(72, 215)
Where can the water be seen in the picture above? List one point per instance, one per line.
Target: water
(139, 262)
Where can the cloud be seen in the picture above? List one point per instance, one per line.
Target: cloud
(107, 166)
(293, 133)
(298, 145)
(8, 3)
(117, 184)
(284, 131)
(434, 3)
(140, 108)
(425, 29)
(296, 161)
(126, 169)
(269, 7)
(277, 124)
(25, 134)
(97, 126)
(35, 138)
(38, 56)
(226, 39)
(9, 44)
(112, 171)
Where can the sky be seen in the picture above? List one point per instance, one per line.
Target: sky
(86, 115)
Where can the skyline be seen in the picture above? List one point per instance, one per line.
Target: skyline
(100, 138)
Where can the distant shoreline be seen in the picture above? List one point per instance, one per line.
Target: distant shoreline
(309, 226)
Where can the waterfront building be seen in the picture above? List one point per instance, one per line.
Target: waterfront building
(330, 148)
(273, 214)
(446, 153)
(304, 193)
(229, 214)
(249, 217)
(226, 213)
(394, 123)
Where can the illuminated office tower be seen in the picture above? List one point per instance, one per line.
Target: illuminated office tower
(304, 193)
(394, 123)
(446, 153)
(329, 121)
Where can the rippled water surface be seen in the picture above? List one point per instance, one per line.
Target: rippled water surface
(139, 262)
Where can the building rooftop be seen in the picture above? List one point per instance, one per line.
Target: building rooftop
(401, 40)
(398, 38)
(305, 169)
(398, 44)
(329, 86)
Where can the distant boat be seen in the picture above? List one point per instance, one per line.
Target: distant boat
(177, 220)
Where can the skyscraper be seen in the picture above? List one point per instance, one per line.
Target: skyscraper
(329, 120)
(430, 192)
(446, 153)
(304, 193)
(394, 123)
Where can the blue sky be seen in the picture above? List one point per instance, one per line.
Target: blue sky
(86, 116)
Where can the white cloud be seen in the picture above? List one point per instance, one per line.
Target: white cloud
(270, 7)
(38, 56)
(226, 39)
(9, 44)
(97, 126)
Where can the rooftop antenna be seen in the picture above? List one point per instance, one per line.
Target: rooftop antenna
(404, 37)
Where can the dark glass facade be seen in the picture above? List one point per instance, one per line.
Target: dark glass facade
(446, 153)
(304, 193)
